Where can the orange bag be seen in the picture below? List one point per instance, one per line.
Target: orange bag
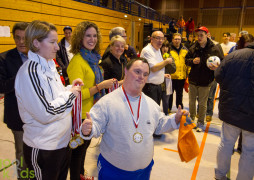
(187, 145)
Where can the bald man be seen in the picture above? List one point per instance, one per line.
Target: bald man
(157, 66)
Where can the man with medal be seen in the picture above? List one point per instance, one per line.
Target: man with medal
(128, 118)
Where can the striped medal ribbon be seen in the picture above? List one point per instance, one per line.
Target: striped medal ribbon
(114, 87)
(76, 140)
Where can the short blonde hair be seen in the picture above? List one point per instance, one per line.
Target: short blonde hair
(117, 38)
(176, 34)
(79, 34)
(37, 30)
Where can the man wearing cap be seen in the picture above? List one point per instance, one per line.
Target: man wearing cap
(200, 77)
(64, 55)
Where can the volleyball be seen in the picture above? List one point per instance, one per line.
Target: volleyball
(215, 60)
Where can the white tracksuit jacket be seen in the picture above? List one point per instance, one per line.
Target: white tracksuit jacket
(44, 104)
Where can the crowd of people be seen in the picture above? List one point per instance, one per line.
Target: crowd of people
(118, 87)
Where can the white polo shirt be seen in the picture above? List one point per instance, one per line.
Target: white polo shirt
(153, 57)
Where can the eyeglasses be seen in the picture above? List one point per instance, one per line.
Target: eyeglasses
(158, 38)
(18, 38)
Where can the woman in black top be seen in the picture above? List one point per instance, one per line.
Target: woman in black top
(113, 65)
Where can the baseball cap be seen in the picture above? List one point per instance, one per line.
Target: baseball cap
(202, 28)
(67, 27)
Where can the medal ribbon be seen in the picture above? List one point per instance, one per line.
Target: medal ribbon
(114, 87)
(76, 114)
(129, 105)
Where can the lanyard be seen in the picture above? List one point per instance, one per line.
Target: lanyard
(129, 105)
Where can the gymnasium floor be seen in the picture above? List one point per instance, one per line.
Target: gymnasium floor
(167, 161)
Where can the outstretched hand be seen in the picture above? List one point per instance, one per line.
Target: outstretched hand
(180, 113)
(87, 125)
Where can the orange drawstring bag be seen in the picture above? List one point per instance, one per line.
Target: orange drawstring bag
(187, 145)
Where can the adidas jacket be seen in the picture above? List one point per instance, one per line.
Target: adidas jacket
(44, 104)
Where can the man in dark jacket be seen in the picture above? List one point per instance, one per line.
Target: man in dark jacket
(200, 77)
(236, 109)
(10, 62)
(64, 55)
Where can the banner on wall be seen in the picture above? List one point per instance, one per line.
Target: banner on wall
(5, 31)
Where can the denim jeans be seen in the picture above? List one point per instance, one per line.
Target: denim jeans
(229, 135)
(210, 100)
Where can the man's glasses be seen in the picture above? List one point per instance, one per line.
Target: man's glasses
(18, 38)
(158, 38)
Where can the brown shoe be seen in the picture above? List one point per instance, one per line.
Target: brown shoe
(208, 118)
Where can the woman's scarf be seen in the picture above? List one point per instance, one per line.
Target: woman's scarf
(93, 59)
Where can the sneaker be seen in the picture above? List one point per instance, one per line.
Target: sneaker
(239, 150)
(208, 118)
(157, 136)
(200, 127)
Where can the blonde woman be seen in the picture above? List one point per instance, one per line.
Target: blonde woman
(44, 105)
(114, 65)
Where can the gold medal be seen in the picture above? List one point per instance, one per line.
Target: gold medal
(79, 140)
(73, 144)
(137, 137)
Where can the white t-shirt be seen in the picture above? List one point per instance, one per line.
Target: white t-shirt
(227, 47)
(153, 57)
(68, 48)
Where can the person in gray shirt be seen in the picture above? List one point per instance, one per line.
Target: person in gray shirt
(128, 118)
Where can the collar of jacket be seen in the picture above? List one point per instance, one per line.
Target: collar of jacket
(113, 58)
(63, 42)
(251, 45)
(177, 50)
(48, 67)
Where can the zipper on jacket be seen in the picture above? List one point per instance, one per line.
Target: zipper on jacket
(50, 87)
